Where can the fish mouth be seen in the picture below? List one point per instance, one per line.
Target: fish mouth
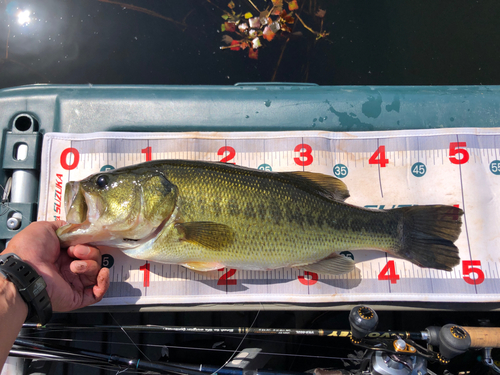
(80, 206)
(82, 210)
(74, 203)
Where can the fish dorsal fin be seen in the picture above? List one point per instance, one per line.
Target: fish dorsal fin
(328, 186)
(334, 265)
(205, 233)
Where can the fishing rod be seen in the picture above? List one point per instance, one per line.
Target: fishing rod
(38, 350)
(386, 352)
(226, 330)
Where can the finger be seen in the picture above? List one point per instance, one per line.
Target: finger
(96, 294)
(88, 268)
(85, 252)
(102, 284)
(53, 224)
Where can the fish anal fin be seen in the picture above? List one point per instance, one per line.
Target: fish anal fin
(205, 233)
(335, 264)
(203, 266)
(330, 186)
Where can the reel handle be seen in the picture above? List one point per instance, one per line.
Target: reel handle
(484, 337)
(363, 320)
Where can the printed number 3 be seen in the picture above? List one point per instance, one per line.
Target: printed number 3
(306, 157)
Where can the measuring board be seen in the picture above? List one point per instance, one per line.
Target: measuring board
(382, 170)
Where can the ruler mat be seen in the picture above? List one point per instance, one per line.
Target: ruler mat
(381, 169)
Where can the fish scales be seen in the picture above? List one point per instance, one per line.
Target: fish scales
(291, 220)
(207, 215)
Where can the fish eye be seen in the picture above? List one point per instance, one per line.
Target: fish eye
(102, 181)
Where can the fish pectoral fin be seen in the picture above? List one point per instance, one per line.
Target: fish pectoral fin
(329, 186)
(203, 266)
(334, 265)
(206, 233)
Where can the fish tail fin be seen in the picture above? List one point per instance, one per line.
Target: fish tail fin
(427, 234)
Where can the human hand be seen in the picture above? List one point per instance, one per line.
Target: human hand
(74, 277)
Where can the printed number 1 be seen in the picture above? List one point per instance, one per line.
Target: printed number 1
(147, 151)
(145, 268)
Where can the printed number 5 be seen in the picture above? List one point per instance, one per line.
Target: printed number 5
(468, 267)
(455, 149)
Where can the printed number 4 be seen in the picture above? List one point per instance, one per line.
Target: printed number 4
(378, 157)
(389, 273)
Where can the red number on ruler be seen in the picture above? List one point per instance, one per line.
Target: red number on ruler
(230, 156)
(455, 149)
(145, 268)
(64, 157)
(468, 268)
(378, 157)
(389, 273)
(225, 278)
(147, 151)
(311, 279)
(307, 154)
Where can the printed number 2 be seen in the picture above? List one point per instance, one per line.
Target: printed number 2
(378, 157)
(225, 278)
(455, 149)
(469, 267)
(230, 156)
(389, 273)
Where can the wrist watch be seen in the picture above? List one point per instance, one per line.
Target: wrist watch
(30, 285)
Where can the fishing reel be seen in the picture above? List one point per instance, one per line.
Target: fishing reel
(396, 353)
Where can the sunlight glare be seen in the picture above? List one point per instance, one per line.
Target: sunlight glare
(23, 17)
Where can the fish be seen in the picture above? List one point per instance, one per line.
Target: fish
(210, 215)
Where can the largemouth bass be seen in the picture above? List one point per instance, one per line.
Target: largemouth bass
(206, 216)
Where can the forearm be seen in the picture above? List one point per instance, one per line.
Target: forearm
(13, 312)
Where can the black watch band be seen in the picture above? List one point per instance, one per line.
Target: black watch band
(31, 286)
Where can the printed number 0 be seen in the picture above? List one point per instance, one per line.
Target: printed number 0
(64, 157)
(468, 267)
(307, 154)
(455, 149)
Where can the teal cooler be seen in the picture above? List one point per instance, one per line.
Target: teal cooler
(30, 111)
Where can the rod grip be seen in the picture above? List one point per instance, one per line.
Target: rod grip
(484, 337)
